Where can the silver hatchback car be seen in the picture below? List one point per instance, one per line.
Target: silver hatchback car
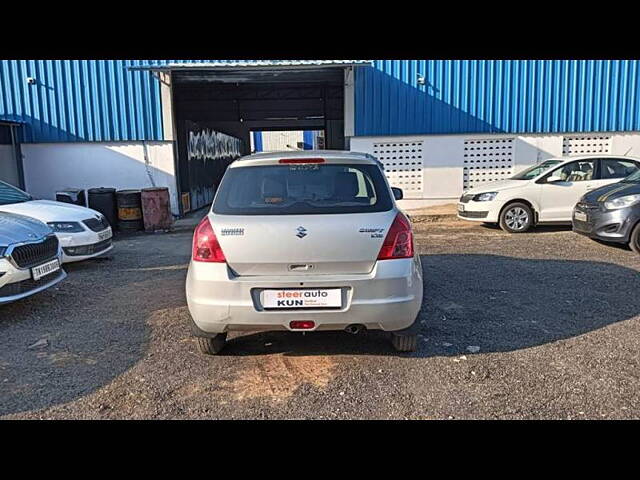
(304, 241)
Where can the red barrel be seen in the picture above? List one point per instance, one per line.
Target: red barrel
(156, 211)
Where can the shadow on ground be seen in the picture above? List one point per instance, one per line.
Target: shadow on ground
(493, 302)
(100, 325)
(94, 322)
(535, 229)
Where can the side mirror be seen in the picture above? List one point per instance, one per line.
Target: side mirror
(554, 179)
(397, 193)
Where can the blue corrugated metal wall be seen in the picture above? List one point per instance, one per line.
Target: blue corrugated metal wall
(101, 100)
(524, 96)
(81, 100)
(84, 100)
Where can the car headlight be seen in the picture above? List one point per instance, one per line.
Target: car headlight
(622, 202)
(66, 227)
(485, 197)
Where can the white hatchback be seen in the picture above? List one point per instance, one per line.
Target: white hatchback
(304, 241)
(544, 193)
(82, 232)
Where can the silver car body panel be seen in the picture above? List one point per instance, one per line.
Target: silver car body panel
(332, 251)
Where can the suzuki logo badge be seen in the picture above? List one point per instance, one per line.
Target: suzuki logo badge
(302, 232)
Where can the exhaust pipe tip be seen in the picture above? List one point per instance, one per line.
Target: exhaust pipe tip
(354, 328)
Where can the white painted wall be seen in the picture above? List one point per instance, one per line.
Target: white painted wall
(442, 158)
(49, 167)
(277, 141)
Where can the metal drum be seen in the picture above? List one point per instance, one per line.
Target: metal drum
(156, 211)
(129, 210)
(104, 201)
(71, 195)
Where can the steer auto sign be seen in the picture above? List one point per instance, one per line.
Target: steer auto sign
(303, 298)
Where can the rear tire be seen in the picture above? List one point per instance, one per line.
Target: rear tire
(516, 217)
(634, 239)
(213, 345)
(404, 343)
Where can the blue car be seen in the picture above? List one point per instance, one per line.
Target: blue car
(30, 257)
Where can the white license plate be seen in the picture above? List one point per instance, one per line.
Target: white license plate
(106, 234)
(460, 207)
(581, 216)
(45, 269)
(304, 298)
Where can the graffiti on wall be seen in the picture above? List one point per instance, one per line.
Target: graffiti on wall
(209, 152)
(211, 145)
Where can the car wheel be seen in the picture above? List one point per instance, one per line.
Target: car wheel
(212, 346)
(516, 218)
(404, 343)
(634, 240)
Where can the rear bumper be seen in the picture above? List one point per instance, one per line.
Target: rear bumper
(606, 225)
(388, 298)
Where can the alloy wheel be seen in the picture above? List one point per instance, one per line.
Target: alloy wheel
(516, 218)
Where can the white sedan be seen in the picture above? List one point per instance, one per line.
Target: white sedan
(544, 193)
(83, 233)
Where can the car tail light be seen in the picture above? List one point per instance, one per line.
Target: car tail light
(302, 324)
(301, 160)
(399, 240)
(205, 244)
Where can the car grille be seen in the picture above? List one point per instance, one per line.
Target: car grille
(469, 214)
(32, 254)
(95, 224)
(587, 206)
(25, 286)
(87, 249)
(466, 198)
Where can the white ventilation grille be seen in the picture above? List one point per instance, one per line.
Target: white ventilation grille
(487, 160)
(586, 144)
(402, 165)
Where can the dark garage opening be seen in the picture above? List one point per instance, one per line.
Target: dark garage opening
(212, 108)
(10, 155)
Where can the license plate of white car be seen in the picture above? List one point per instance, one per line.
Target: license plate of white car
(460, 207)
(45, 269)
(581, 216)
(105, 235)
(303, 298)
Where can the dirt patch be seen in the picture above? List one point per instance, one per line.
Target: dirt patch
(277, 377)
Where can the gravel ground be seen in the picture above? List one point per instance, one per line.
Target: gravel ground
(538, 325)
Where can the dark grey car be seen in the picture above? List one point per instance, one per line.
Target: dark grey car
(30, 257)
(611, 213)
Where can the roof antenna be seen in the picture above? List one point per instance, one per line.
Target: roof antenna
(627, 152)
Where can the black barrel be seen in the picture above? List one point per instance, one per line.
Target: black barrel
(71, 195)
(129, 210)
(104, 201)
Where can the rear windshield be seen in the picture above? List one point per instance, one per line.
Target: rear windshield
(302, 190)
(9, 195)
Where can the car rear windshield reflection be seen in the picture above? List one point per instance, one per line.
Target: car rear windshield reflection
(302, 189)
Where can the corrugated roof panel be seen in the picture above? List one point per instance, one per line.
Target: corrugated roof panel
(217, 64)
